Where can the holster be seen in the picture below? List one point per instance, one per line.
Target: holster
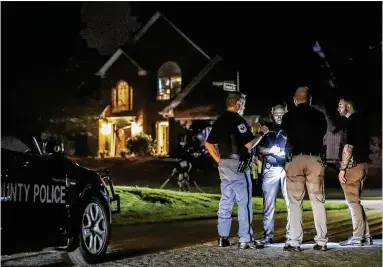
(289, 157)
(245, 162)
(352, 163)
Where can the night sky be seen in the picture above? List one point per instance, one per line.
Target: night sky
(269, 42)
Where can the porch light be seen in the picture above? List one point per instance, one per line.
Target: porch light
(136, 128)
(106, 128)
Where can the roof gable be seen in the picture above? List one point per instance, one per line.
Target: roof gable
(102, 71)
(155, 18)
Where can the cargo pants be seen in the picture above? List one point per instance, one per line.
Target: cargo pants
(306, 171)
(235, 188)
(352, 189)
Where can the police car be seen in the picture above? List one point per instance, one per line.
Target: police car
(48, 200)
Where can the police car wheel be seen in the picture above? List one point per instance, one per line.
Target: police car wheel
(94, 234)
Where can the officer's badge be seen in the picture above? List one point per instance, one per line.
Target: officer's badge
(242, 128)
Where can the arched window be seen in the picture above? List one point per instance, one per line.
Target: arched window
(169, 80)
(122, 97)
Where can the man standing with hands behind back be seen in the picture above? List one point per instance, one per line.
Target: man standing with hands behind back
(305, 128)
(230, 143)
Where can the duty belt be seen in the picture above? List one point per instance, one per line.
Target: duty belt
(245, 162)
(307, 153)
(269, 165)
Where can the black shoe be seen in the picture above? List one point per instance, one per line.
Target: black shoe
(352, 241)
(319, 247)
(224, 242)
(291, 248)
(258, 244)
(267, 240)
(367, 241)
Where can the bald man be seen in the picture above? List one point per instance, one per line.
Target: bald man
(305, 129)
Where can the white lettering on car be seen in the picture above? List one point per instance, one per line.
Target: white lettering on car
(35, 192)
(62, 195)
(20, 186)
(13, 194)
(19, 192)
(57, 198)
(43, 196)
(26, 188)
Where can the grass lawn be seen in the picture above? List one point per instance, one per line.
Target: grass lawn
(144, 205)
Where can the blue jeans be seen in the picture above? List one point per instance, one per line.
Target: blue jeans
(273, 179)
(235, 187)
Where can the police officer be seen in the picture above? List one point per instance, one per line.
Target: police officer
(272, 148)
(305, 128)
(353, 170)
(234, 140)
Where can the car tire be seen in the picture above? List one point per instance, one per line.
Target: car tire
(94, 235)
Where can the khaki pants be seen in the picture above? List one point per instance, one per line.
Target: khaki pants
(352, 189)
(305, 171)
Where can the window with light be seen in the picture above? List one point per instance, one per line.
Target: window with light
(169, 81)
(122, 97)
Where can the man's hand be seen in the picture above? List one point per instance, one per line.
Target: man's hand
(264, 129)
(342, 178)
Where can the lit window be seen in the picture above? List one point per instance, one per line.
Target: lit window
(122, 97)
(169, 81)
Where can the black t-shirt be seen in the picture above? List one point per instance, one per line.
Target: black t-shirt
(231, 133)
(305, 127)
(358, 136)
(275, 137)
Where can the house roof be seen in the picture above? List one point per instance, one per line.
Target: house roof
(101, 72)
(181, 96)
(153, 20)
(137, 36)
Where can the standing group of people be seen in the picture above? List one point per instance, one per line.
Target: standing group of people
(293, 151)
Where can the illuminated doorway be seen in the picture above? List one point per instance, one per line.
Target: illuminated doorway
(162, 137)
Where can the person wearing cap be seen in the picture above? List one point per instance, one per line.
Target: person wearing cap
(305, 128)
(272, 148)
(230, 143)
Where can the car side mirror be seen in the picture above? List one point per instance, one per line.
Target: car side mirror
(53, 147)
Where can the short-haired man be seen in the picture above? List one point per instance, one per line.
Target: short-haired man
(229, 143)
(353, 170)
(272, 147)
(305, 128)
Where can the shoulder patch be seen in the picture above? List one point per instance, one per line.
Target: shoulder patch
(242, 128)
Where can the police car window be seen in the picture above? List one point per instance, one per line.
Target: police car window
(14, 144)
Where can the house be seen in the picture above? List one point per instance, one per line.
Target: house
(156, 84)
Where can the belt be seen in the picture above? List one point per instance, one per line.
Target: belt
(231, 156)
(306, 153)
(269, 165)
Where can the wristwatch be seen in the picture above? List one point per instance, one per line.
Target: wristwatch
(344, 169)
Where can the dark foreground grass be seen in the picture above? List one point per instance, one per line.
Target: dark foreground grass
(145, 205)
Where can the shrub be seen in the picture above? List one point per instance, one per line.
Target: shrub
(141, 144)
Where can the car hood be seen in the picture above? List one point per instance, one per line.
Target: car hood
(80, 173)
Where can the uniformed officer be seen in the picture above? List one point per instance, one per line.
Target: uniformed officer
(272, 147)
(305, 128)
(234, 141)
(353, 171)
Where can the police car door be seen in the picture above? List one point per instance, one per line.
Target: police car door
(31, 200)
